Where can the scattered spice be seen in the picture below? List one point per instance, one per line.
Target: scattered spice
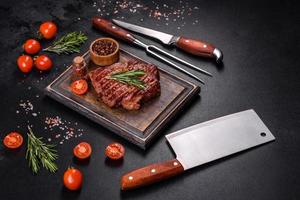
(57, 129)
(63, 130)
(177, 13)
(27, 106)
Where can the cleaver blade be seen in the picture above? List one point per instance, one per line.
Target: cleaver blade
(203, 143)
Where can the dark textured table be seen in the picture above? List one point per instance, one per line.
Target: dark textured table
(260, 41)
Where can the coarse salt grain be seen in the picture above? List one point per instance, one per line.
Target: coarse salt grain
(160, 12)
(67, 131)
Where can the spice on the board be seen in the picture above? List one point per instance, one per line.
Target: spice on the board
(104, 47)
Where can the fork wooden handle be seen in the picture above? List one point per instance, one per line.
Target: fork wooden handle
(110, 28)
(196, 47)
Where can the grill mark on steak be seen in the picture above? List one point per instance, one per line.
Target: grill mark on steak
(114, 93)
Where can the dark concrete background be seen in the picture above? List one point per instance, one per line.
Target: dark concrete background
(260, 41)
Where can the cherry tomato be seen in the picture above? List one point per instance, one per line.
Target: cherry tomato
(83, 150)
(115, 151)
(13, 140)
(25, 63)
(43, 63)
(79, 87)
(32, 46)
(72, 179)
(48, 30)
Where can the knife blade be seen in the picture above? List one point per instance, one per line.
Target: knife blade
(203, 143)
(192, 46)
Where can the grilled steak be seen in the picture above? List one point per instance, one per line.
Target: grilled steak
(114, 93)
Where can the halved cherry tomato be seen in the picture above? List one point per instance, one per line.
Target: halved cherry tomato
(43, 63)
(82, 150)
(79, 87)
(115, 151)
(25, 63)
(48, 30)
(32, 46)
(72, 179)
(13, 140)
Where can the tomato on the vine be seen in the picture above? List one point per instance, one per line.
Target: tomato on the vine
(25, 63)
(43, 63)
(13, 140)
(72, 179)
(32, 46)
(48, 30)
(115, 151)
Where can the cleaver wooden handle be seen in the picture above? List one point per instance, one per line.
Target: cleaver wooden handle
(199, 48)
(151, 174)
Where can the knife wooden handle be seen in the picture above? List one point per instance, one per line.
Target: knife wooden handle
(196, 47)
(151, 174)
(106, 26)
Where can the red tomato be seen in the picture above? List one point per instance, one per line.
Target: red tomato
(48, 30)
(72, 179)
(13, 140)
(83, 150)
(79, 87)
(32, 46)
(43, 63)
(115, 151)
(25, 63)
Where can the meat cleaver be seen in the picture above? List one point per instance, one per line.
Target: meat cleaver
(203, 143)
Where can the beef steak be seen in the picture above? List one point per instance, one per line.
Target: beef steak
(114, 93)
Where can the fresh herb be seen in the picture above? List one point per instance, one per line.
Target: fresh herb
(38, 153)
(69, 43)
(130, 78)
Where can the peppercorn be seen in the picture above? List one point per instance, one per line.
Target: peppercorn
(104, 47)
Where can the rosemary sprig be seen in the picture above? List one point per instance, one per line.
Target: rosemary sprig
(129, 77)
(39, 153)
(69, 43)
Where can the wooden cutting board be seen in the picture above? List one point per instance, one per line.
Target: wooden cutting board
(139, 126)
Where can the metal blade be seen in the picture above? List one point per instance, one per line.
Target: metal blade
(163, 37)
(218, 138)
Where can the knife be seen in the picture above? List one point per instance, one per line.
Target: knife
(108, 27)
(192, 46)
(203, 143)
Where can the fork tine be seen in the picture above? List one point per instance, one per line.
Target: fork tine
(179, 60)
(174, 65)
